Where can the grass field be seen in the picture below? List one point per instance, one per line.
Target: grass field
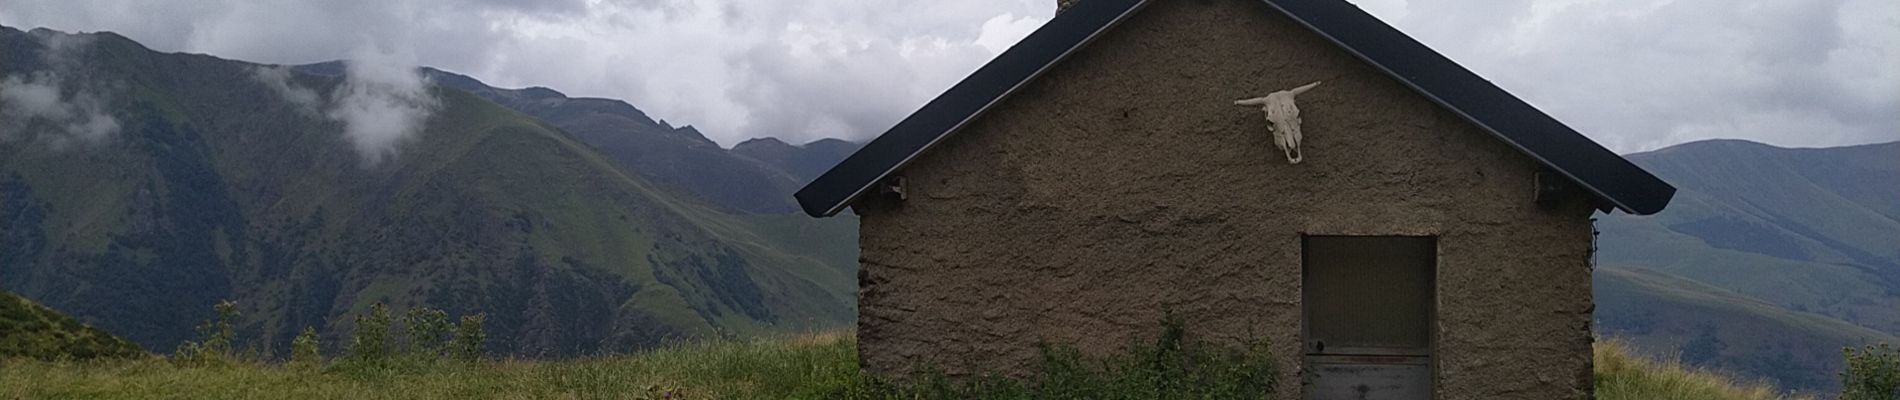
(1622, 375)
(801, 367)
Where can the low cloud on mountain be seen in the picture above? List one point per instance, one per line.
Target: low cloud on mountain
(277, 78)
(383, 101)
(71, 110)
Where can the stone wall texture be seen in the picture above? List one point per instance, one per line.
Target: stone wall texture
(1124, 183)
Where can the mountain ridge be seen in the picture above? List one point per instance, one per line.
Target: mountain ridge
(217, 186)
(677, 156)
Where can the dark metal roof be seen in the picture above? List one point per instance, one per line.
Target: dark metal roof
(1602, 172)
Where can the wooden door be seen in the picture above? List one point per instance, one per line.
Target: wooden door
(1368, 317)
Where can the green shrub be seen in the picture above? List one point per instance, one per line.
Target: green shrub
(428, 331)
(215, 340)
(1172, 367)
(1873, 373)
(370, 343)
(469, 342)
(304, 349)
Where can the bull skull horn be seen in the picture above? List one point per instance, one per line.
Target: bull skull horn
(1283, 118)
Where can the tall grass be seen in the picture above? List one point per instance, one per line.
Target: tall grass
(803, 367)
(812, 366)
(1622, 375)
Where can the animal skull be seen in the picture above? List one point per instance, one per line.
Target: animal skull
(1283, 119)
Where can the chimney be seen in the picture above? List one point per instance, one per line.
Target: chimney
(1064, 5)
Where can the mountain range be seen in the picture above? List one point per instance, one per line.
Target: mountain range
(1768, 262)
(214, 179)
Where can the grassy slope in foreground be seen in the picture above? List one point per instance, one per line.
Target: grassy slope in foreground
(33, 331)
(1622, 375)
(808, 367)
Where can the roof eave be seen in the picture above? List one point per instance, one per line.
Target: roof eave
(1606, 175)
(1662, 191)
(1083, 15)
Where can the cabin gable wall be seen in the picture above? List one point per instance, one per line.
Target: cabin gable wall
(1123, 184)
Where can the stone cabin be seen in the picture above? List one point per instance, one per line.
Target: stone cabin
(1433, 241)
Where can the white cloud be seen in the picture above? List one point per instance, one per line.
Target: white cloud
(33, 99)
(688, 61)
(799, 70)
(71, 113)
(79, 116)
(1642, 74)
(383, 102)
(1002, 31)
(277, 78)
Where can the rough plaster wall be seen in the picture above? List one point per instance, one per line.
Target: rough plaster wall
(1124, 183)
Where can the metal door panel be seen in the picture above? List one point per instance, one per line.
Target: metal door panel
(1368, 378)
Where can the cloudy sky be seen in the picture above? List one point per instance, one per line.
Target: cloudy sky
(1633, 74)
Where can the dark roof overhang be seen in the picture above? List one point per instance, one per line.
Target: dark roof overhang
(1603, 173)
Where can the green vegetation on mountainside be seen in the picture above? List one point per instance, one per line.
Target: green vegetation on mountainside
(1814, 230)
(29, 330)
(1768, 261)
(755, 176)
(217, 188)
(1715, 328)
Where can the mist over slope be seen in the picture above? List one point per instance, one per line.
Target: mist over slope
(308, 196)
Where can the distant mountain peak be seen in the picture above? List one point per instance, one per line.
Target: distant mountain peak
(779, 145)
(832, 143)
(1737, 144)
(762, 142)
(692, 133)
(56, 38)
(542, 92)
(1722, 143)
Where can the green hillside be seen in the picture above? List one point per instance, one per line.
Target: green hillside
(1813, 230)
(1768, 261)
(1714, 328)
(33, 331)
(218, 187)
